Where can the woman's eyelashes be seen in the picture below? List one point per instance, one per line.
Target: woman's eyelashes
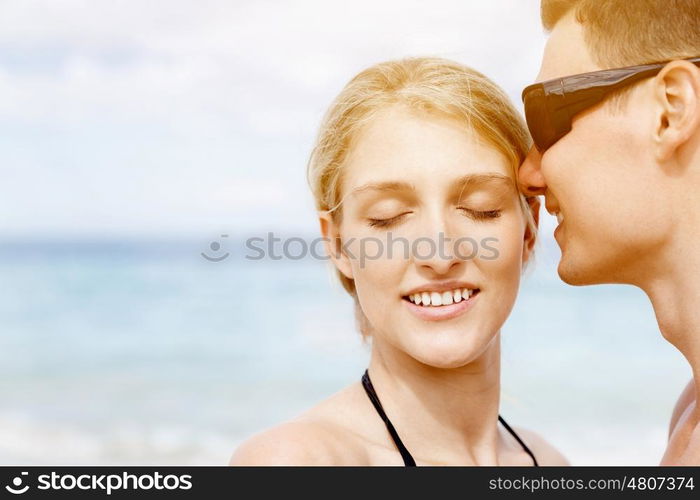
(382, 223)
(477, 215)
(481, 214)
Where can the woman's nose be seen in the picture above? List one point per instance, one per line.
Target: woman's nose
(438, 252)
(530, 178)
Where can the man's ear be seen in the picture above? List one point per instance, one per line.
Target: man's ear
(530, 234)
(333, 244)
(677, 91)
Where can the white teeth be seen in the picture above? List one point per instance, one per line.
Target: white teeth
(441, 298)
(560, 217)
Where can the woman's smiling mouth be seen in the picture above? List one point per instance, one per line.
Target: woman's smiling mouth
(434, 299)
(440, 305)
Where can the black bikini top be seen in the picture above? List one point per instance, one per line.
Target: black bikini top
(407, 458)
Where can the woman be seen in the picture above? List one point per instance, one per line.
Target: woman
(414, 179)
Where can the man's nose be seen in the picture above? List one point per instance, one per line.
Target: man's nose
(530, 178)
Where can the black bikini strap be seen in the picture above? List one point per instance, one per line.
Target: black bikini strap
(369, 389)
(517, 438)
(407, 458)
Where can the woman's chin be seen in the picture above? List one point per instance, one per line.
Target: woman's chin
(448, 351)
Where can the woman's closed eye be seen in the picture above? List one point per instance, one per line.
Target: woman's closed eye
(478, 215)
(481, 215)
(386, 222)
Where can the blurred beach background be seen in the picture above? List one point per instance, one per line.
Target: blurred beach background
(135, 136)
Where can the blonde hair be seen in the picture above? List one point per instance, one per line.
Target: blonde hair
(626, 33)
(431, 85)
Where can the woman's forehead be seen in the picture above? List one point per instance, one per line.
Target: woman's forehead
(402, 147)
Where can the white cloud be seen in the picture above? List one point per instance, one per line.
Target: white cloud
(168, 107)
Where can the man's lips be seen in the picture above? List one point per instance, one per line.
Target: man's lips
(555, 210)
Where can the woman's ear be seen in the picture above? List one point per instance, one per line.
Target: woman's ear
(333, 244)
(530, 237)
(677, 94)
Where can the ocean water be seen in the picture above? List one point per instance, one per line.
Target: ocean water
(146, 353)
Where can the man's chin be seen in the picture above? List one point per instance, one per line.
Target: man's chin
(576, 273)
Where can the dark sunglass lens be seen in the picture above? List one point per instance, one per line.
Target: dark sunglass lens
(538, 120)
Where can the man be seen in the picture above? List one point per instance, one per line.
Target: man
(617, 158)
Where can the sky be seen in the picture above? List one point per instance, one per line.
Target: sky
(184, 118)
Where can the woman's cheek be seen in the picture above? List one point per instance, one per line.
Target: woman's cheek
(501, 250)
(374, 272)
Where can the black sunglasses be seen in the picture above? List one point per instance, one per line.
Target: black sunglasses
(551, 106)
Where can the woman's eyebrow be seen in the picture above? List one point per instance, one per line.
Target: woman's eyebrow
(384, 187)
(473, 181)
(469, 181)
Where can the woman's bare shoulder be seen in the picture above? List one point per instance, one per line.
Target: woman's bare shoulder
(545, 453)
(291, 443)
(324, 435)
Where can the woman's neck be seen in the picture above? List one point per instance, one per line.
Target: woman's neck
(448, 415)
